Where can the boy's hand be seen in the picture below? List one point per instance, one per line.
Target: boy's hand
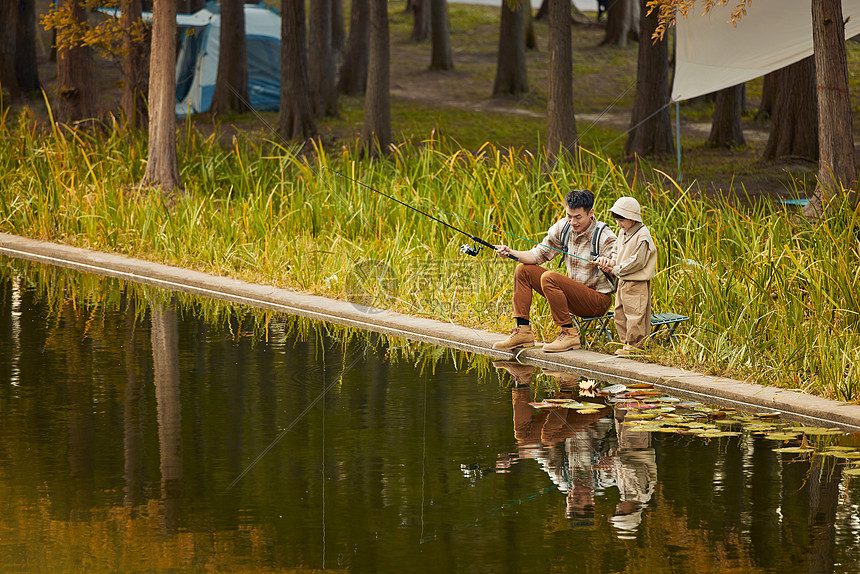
(605, 264)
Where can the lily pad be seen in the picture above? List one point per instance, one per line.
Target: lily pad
(614, 389)
(759, 428)
(641, 386)
(640, 416)
(716, 434)
(794, 450)
(816, 431)
(855, 471)
(727, 422)
(839, 454)
(781, 436)
(592, 406)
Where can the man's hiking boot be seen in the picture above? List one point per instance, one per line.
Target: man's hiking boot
(521, 374)
(521, 336)
(567, 340)
(566, 381)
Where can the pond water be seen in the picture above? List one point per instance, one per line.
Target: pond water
(160, 437)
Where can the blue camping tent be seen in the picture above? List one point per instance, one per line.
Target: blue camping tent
(197, 63)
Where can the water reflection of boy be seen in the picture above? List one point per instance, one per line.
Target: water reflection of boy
(635, 476)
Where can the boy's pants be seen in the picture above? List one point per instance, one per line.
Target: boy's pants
(633, 312)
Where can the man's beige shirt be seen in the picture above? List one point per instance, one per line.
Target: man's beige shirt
(578, 244)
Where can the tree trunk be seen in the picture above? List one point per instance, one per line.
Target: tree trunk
(338, 33)
(529, 23)
(376, 131)
(836, 169)
(296, 116)
(421, 21)
(794, 123)
(353, 70)
(190, 6)
(134, 68)
(622, 22)
(511, 60)
(441, 56)
(561, 122)
(26, 66)
(321, 64)
(726, 128)
(162, 169)
(9, 90)
(651, 127)
(543, 11)
(768, 96)
(231, 82)
(76, 86)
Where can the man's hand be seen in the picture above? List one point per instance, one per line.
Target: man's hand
(503, 250)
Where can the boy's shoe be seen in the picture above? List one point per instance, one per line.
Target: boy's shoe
(567, 340)
(627, 350)
(521, 336)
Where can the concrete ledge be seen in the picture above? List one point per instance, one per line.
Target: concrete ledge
(716, 390)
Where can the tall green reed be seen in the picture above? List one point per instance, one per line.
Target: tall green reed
(771, 297)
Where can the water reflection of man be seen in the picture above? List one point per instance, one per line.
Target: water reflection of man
(539, 433)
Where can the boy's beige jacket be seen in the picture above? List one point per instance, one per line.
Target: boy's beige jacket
(635, 255)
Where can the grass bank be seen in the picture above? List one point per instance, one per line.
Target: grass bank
(772, 300)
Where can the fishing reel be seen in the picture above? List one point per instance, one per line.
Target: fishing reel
(470, 250)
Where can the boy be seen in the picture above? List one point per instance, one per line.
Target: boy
(634, 262)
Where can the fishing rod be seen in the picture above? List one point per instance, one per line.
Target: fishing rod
(538, 243)
(472, 250)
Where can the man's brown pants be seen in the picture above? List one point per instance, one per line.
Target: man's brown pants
(564, 295)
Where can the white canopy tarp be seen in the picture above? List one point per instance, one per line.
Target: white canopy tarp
(713, 54)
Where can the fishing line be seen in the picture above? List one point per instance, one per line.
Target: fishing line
(463, 249)
(293, 423)
(322, 473)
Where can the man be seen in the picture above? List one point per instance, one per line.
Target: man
(585, 291)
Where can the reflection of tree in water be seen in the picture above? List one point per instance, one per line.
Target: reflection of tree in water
(165, 357)
(81, 432)
(132, 421)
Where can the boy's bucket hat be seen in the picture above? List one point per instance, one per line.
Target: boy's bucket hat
(628, 208)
